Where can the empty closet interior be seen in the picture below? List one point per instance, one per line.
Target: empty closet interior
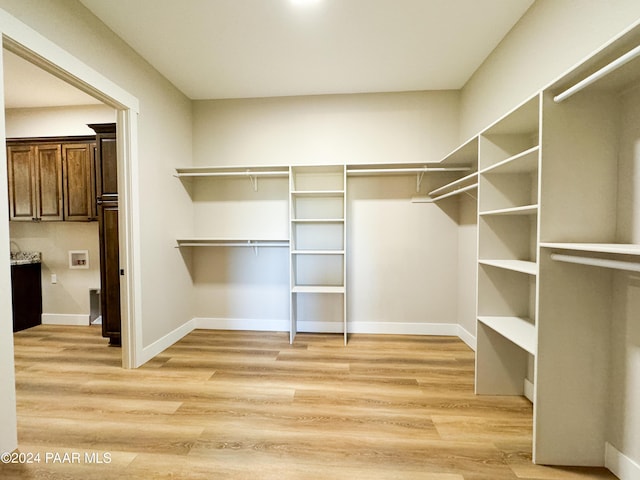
(524, 240)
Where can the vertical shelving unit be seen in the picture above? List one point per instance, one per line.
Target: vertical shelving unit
(509, 156)
(587, 367)
(318, 249)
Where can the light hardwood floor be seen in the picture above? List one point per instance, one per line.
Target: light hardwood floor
(247, 405)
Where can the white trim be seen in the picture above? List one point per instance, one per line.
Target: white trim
(251, 324)
(528, 390)
(390, 328)
(27, 42)
(404, 328)
(65, 319)
(466, 337)
(129, 228)
(165, 342)
(320, 327)
(620, 465)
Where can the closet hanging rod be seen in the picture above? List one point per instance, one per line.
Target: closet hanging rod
(617, 63)
(368, 171)
(597, 262)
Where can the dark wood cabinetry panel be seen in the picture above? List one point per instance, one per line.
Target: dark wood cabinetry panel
(107, 189)
(79, 182)
(49, 182)
(51, 179)
(35, 182)
(26, 296)
(21, 174)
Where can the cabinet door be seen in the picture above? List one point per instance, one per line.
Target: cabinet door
(20, 170)
(48, 167)
(79, 196)
(107, 190)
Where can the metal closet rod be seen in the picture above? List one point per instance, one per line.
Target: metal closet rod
(617, 63)
(597, 262)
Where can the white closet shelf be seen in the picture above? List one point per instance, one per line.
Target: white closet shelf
(317, 193)
(523, 162)
(317, 289)
(615, 248)
(401, 169)
(523, 210)
(445, 195)
(213, 171)
(468, 180)
(317, 220)
(317, 252)
(230, 242)
(522, 266)
(465, 155)
(518, 330)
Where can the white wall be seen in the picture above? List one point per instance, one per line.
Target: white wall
(56, 121)
(402, 256)
(330, 129)
(553, 36)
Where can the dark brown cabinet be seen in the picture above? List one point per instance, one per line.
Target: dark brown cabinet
(52, 179)
(79, 182)
(35, 182)
(26, 296)
(106, 161)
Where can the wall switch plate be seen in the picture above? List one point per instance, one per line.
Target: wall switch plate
(54, 278)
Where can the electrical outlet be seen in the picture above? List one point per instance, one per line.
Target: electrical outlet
(54, 278)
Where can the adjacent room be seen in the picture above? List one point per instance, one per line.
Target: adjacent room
(320, 239)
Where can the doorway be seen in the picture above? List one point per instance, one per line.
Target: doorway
(49, 138)
(90, 83)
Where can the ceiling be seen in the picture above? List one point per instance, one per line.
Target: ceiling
(262, 48)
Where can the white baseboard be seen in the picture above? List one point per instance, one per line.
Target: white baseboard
(528, 389)
(165, 342)
(466, 337)
(392, 328)
(319, 327)
(404, 328)
(65, 319)
(274, 325)
(620, 465)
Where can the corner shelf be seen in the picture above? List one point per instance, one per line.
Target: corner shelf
(520, 331)
(523, 162)
(464, 184)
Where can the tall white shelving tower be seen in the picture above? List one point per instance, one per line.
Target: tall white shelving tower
(317, 207)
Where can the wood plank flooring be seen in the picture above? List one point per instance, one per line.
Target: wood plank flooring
(247, 405)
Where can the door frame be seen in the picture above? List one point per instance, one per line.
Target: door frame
(33, 47)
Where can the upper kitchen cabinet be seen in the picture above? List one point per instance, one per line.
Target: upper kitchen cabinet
(79, 175)
(35, 182)
(52, 179)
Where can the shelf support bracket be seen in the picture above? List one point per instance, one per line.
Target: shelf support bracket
(419, 177)
(254, 180)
